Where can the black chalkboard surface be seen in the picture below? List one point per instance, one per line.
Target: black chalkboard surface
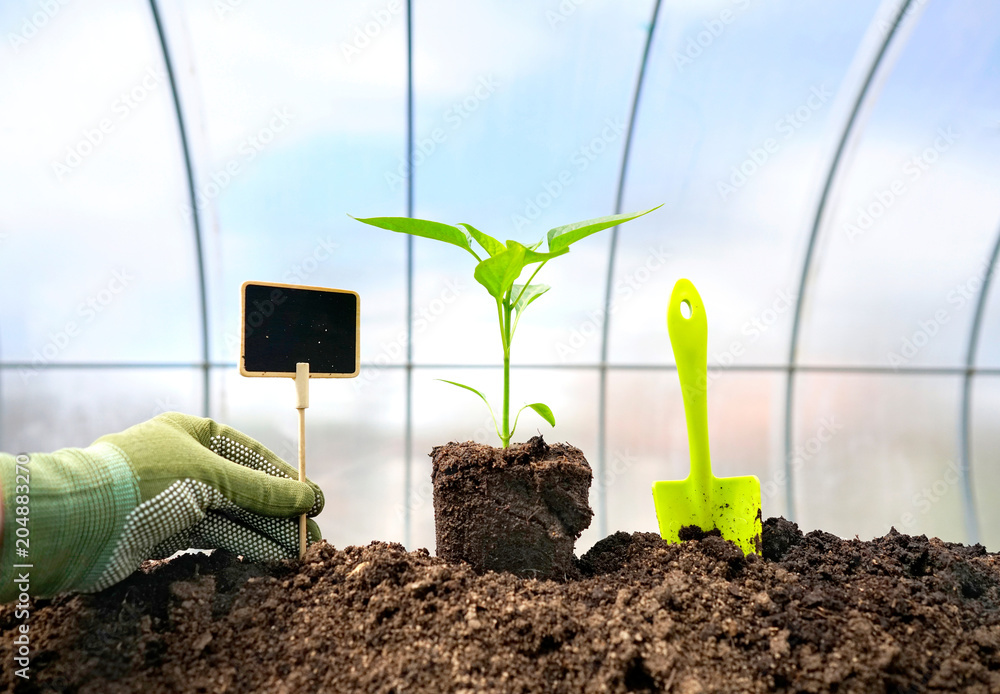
(284, 324)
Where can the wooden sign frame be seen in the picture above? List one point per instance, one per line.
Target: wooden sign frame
(278, 287)
(301, 371)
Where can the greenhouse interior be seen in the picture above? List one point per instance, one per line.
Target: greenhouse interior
(828, 176)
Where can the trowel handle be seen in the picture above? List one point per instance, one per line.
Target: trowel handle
(689, 340)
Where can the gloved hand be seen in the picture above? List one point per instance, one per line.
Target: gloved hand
(174, 482)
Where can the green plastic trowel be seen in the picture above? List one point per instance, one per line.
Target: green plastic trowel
(729, 504)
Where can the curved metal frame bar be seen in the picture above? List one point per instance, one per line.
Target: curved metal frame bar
(810, 251)
(408, 426)
(196, 220)
(971, 517)
(602, 423)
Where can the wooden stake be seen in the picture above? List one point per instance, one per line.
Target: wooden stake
(301, 403)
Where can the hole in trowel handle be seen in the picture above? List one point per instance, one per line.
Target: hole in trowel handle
(685, 309)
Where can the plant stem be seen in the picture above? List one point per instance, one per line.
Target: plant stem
(505, 438)
(515, 302)
(506, 400)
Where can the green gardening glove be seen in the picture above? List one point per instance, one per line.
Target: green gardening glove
(172, 483)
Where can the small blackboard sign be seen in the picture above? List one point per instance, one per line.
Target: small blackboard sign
(284, 324)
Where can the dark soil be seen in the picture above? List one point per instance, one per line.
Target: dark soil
(817, 614)
(693, 532)
(519, 509)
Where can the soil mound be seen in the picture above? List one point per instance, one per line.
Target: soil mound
(817, 614)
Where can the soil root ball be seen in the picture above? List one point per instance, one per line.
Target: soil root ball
(519, 509)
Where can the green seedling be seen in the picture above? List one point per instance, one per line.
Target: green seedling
(498, 272)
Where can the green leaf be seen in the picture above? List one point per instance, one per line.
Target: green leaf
(498, 273)
(543, 410)
(529, 294)
(424, 228)
(460, 385)
(533, 256)
(561, 237)
(490, 244)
